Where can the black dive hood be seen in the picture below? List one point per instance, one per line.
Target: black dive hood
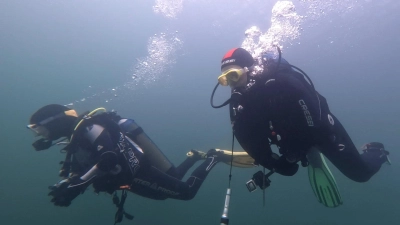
(264, 59)
(45, 143)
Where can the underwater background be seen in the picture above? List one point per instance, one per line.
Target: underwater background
(158, 62)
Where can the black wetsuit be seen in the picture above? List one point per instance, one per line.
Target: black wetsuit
(280, 107)
(111, 160)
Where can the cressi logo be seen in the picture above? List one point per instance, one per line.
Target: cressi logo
(307, 113)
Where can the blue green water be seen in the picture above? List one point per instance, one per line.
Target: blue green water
(78, 51)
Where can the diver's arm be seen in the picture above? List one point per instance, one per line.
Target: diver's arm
(102, 147)
(306, 99)
(98, 142)
(298, 120)
(66, 190)
(304, 118)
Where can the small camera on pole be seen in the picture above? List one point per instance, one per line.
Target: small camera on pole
(259, 179)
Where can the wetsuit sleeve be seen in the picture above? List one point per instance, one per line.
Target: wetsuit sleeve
(101, 147)
(98, 151)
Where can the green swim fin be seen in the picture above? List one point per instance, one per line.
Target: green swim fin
(240, 159)
(322, 181)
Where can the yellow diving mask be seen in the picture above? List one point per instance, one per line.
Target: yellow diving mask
(231, 75)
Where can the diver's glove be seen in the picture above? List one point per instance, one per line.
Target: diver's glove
(66, 190)
(375, 154)
(286, 168)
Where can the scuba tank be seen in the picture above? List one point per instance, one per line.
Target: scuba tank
(130, 129)
(143, 142)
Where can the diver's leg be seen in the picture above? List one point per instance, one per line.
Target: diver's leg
(341, 151)
(174, 188)
(153, 153)
(180, 171)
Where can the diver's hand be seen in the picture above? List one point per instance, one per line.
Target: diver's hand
(286, 168)
(66, 190)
